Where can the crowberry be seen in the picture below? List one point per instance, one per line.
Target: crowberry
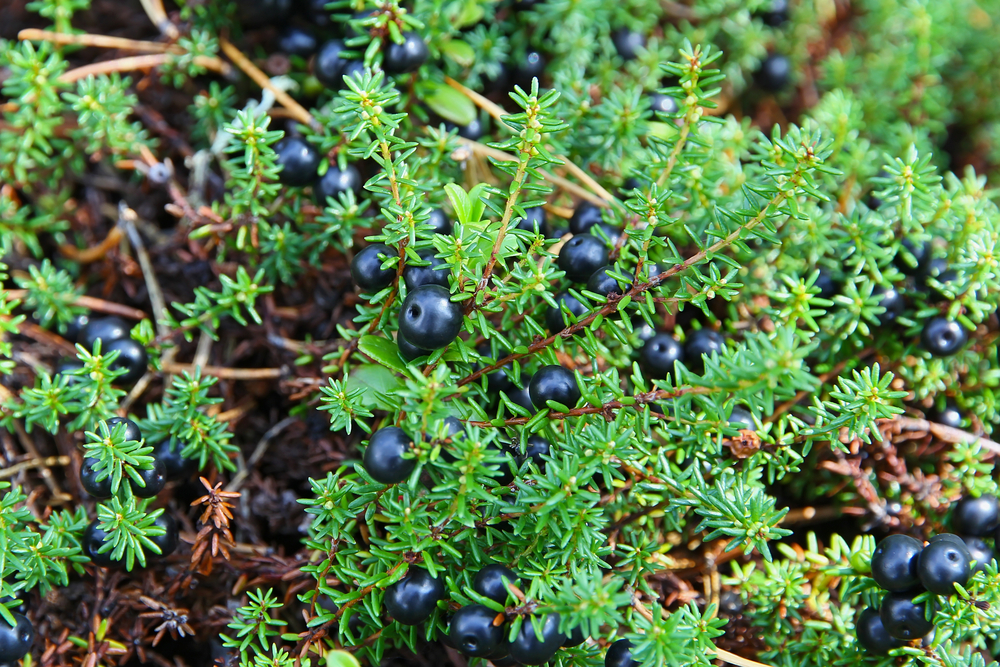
(384, 460)
(298, 160)
(894, 563)
(412, 599)
(15, 640)
(528, 649)
(553, 383)
(872, 635)
(490, 582)
(405, 57)
(943, 337)
(472, 630)
(903, 618)
(367, 271)
(976, 516)
(581, 256)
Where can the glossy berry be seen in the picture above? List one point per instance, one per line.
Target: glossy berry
(872, 635)
(535, 219)
(104, 329)
(947, 537)
(603, 283)
(553, 383)
(776, 14)
(950, 415)
(16, 640)
(620, 655)
(439, 222)
(474, 131)
(298, 160)
(943, 337)
(154, 478)
(555, 318)
(436, 273)
(665, 104)
(977, 517)
(169, 540)
(336, 181)
(176, 466)
(902, 618)
(75, 326)
(937, 269)
(412, 599)
(352, 69)
(329, 64)
(383, 459)
(893, 302)
(742, 418)
(584, 217)
(774, 73)
(297, 42)
(979, 552)
(912, 258)
(408, 350)
(405, 57)
(507, 469)
(581, 256)
(93, 541)
(489, 582)
(429, 318)
(132, 432)
(536, 447)
(132, 359)
(659, 354)
(367, 271)
(528, 649)
(942, 565)
(628, 43)
(472, 631)
(576, 637)
(88, 479)
(702, 342)
(894, 563)
(522, 396)
(531, 67)
(496, 381)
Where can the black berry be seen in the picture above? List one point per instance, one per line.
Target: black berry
(742, 418)
(384, 461)
(439, 222)
(436, 273)
(943, 337)
(894, 563)
(872, 635)
(412, 599)
(777, 14)
(603, 283)
(367, 271)
(521, 396)
(893, 302)
(93, 541)
(827, 285)
(75, 326)
(88, 479)
(528, 649)
(298, 160)
(702, 342)
(912, 258)
(730, 603)
(937, 269)
(335, 181)
(774, 73)
(902, 618)
(352, 69)
(329, 64)
(584, 217)
(154, 478)
(947, 537)
(473, 131)
(576, 637)
(408, 350)
(497, 381)
(104, 329)
(949, 415)
(943, 564)
(472, 630)
(581, 256)
(556, 320)
(507, 468)
(489, 582)
(662, 104)
(297, 42)
(553, 383)
(15, 640)
(979, 552)
(170, 538)
(405, 57)
(976, 516)
(176, 466)
(659, 354)
(534, 220)
(536, 447)
(620, 655)
(131, 358)
(429, 318)
(132, 432)
(628, 43)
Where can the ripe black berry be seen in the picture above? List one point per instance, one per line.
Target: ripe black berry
(944, 564)
(912, 258)
(979, 552)
(828, 287)
(131, 358)
(603, 283)
(742, 418)
(436, 273)
(88, 479)
(329, 64)
(132, 432)
(429, 318)
(556, 320)
(352, 69)
(628, 43)
(872, 635)
(894, 563)
(892, 301)
(507, 469)
(581, 256)
(950, 415)
(298, 160)
(777, 14)
(534, 220)
(439, 222)
(976, 516)
(943, 337)
(472, 630)
(93, 541)
(774, 73)
(702, 342)
(584, 217)
(154, 478)
(297, 42)
(412, 599)
(576, 637)
(553, 383)
(176, 466)
(16, 640)
(405, 57)
(535, 447)
(383, 460)
(169, 540)
(528, 649)
(489, 582)
(336, 181)
(662, 104)
(75, 326)
(408, 350)
(367, 271)
(947, 537)
(620, 655)
(104, 329)
(473, 131)
(902, 618)
(659, 354)
(521, 396)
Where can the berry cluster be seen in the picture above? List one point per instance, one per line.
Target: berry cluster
(112, 335)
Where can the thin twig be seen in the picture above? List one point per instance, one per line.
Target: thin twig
(226, 373)
(127, 218)
(101, 41)
(946, 433)
(47, 476)
(733, 659)
(34, 463)
(258, 452)
(132, 63)
(156, 13)
(93, 303)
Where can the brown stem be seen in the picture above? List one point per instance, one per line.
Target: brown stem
(93, 303)
(101, 41)
(139, 62)
(226, 373)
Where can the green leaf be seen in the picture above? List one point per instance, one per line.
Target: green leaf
(448, 103)
(382, 350)
(341, 659)
(377, 384)
(459, 51)
(470, 14)
(459, 202)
